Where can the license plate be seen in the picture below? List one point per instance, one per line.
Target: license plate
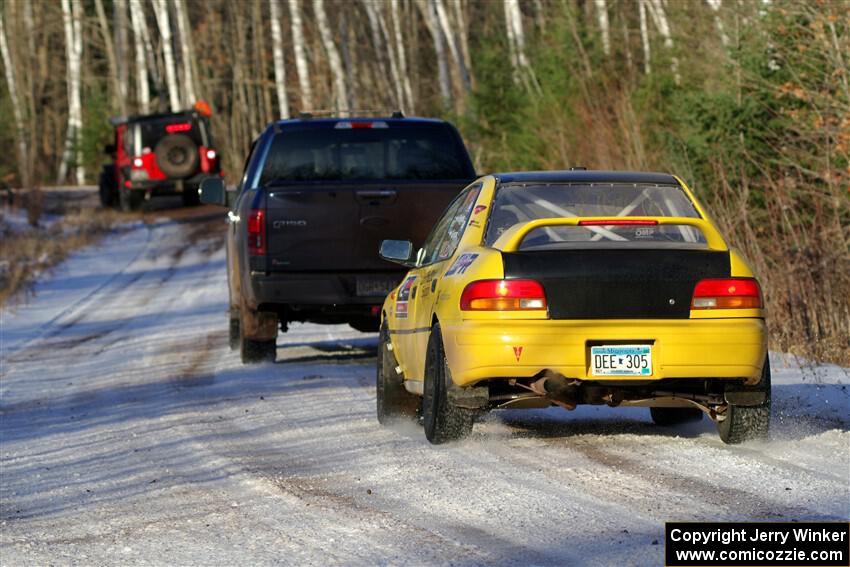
(369, 287)
(621, 360)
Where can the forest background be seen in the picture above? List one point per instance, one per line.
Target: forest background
(747, 100)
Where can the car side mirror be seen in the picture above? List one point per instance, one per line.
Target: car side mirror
(213, 191)
(109, 149)
(397, 251)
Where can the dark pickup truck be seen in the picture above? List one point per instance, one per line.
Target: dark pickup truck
(315, 200)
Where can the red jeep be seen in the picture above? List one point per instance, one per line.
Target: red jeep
(158, 154)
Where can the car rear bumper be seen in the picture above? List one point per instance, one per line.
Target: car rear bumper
(169, 186)
(685, 348)
(315, 289)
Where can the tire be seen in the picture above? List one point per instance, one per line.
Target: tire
(234, 335)
(131, 200)
(190, 196)
(253, 352)
(177, 156)
(674, 416)
(106, 187)
(393, 402)
(443, 421)
(748, 423)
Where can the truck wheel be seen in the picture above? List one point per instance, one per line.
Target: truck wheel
(190, 196)
(130, 200)
(443, 421)
(748, 423)
(393, 402)
(106, 187)
(253, 352)
(234, 335)
(674, 416)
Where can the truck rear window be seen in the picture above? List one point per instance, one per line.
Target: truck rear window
(392, 150)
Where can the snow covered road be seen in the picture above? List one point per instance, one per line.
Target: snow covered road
(132, 435)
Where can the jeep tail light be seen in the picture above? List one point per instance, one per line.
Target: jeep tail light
(503, 295)
(210, 154)
(257, 232)
(138, 162)
(729, 293)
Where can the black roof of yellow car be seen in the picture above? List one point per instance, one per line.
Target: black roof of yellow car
(587, 176)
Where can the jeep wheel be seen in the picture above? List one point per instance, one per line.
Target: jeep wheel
(253, 352)
(130, 200)
(393, 402)
(443, 421)
(748, 423)
(674, 416)
(106, 187)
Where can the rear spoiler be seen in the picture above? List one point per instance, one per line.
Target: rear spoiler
(511, 240)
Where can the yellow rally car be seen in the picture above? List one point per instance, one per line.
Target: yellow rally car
(574, 287)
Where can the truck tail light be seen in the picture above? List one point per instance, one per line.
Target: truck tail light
(728, 293)
(503, 295)
(257, 232)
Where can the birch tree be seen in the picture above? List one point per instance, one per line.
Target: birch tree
(429, 12)
(604, 30)
(72, 21)
(142, 87)
(334, 61)
(300, 55)
(402, 56)
(277, 51)
(659, 18)
(715, 6)
(516, 45)
(17, 107)
(109, 49)
(186, 50)
(644, 38)
(451, 41)
(163, 22)
(119, 17)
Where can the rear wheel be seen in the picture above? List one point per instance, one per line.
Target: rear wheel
(253, 352)
(393, 402)
(748, 423)
(674, 416)
(234, 335)
(443, 420)
(106, 187)
(130, 200)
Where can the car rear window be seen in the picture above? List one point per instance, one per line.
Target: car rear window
(365, 150)
(523, 203)
(147, 133)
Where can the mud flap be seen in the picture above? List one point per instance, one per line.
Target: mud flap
(257, 325)
(746, 398)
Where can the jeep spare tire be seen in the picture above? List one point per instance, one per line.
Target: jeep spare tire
(177, 155)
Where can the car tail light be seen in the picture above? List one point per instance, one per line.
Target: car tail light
(180, 127)
(138, 162)
(211, 154)
(616, 222)
(503, 295)
(257, 232)
(348, 125)
(730, 293)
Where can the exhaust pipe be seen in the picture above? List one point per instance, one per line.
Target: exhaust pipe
(557, 388)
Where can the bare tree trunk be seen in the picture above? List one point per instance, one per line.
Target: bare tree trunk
(644, 38)
(119, 18)
(445, 24)
(349, 59)
(110, 52)
(429, 11)
(187, 54)
(137, 20)
(516, 40)
(462, 33)
(279, 67)
(402, 57)
(300, 55)
(387, 76)
(163, 22)
(715, 6)
(604, 30)
(338, 75)
(72, 19)
(395, 73)
(17, 108)
(659, 17)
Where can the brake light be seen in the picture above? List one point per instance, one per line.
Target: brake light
(731, 293)
(257, 232)
(503, 295)
(616, 222)
(348, 125)
(180, 127)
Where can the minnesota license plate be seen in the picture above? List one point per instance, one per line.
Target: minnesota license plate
(621, 360)
(372, 287)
